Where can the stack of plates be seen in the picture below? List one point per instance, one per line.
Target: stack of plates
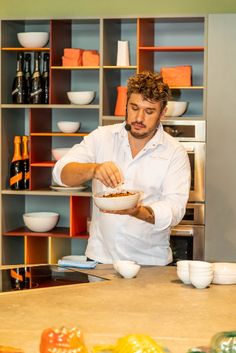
(224, 273)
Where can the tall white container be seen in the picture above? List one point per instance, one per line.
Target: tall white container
(122, 53)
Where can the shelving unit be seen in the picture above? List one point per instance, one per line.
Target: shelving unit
(153, 43)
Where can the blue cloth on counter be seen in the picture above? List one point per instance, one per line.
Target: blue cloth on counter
(82, 264)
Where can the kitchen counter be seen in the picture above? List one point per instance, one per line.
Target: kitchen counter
(155, 303)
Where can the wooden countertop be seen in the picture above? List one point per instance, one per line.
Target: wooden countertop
(155, 303)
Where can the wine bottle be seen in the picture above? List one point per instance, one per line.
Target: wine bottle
(45, 78)
(16, 168)
(19, 83)
(27, 73)
(25, 162)
(36, 94)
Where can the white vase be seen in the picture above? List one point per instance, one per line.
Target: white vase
(122, 53)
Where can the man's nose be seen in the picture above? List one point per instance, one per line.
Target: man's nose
(140, 115)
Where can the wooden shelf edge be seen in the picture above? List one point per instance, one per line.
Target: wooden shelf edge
(48, 192)
(24, 49)
(120, 67)
(58, 134)
(173, 48)
(50, 106)
(75, 67)
(58, 232)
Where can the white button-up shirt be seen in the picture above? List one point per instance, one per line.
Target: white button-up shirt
(161, 171)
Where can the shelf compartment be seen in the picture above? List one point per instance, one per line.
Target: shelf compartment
(111, 80)
(119, 29)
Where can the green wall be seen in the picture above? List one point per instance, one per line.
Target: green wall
(106, 8)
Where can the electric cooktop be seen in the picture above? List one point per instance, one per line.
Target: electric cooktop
(32, 277)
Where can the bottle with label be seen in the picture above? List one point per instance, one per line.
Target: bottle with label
(27, 73)
(25, 162)
(16, 168)
(36, 94)
(19, 83)
(45, 78)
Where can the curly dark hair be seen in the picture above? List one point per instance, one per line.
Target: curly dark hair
(151, 86)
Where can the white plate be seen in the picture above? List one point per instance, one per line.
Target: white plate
(72, 188)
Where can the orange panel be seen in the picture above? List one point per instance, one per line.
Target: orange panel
(36, 250)
(79, 212)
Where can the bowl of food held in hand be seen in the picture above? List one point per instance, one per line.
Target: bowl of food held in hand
(33, 39)
(58, 153)
(68, 126)
(175, 108)
(41, 221)
(81, 97)
(116, 201)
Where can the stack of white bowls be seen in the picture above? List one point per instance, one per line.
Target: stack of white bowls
(200, 273)
(183, 271)
(224, 273)
(197, 273)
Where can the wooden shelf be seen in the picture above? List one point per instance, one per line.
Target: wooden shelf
(75, 67)
(58, 134)
(120, 67)
(25, 49)
(47, 192)
(50, 106)
(172, 49)
(43, 164)
(58, 232)
(189, 87)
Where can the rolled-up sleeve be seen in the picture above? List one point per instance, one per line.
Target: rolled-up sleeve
(83, 152)
(170, 209)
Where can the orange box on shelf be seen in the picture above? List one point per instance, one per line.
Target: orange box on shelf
(72, 57)
(177, 76)
(90, 58)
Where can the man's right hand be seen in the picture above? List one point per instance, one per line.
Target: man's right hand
(109, 174)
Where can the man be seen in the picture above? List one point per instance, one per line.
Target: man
(144, 157)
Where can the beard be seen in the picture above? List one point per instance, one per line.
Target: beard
(143, 135)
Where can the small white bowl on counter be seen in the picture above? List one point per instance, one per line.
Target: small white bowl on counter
(126, 268)
(41, 221)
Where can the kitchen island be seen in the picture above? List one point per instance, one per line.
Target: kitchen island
(155, 303)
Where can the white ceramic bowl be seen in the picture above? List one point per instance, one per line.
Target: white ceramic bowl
(81, 97)
(175, 108)
(58, 153)
(200, 281)
(224, 279)
(183, 264)
(116, 203)
(116, 263)
(33, 39)
(41, 221)
(127, 269)
(68, 126)
(183, 276)
(224, 268)
(200, 265)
